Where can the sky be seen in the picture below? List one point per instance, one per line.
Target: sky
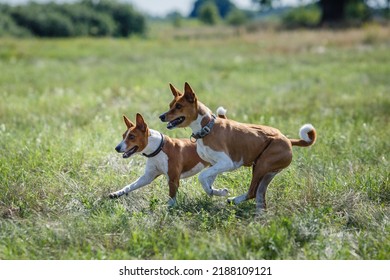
(163, 7)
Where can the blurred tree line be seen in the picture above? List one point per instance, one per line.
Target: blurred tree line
(83, 18)
(327, 12)
(316, 13)
(213, 11)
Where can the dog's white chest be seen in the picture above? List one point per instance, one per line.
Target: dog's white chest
(159, 163)
(213, 157)
(208, 154)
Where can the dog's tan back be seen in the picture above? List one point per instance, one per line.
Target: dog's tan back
(241, 141)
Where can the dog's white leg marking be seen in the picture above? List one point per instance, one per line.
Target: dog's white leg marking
(220, 162)
(262, 188)
(142, 181)
(196, 169)
(239, 199)
(208, 176)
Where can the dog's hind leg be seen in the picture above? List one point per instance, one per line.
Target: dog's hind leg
(259, 183)
(261, 190)
(268, 164)
(256, 179)
(276, 157)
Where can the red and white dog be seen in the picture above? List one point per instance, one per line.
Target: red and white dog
(227, 145)
(175, 158)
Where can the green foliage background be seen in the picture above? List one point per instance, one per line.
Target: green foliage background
(83, 18)
(61, 117)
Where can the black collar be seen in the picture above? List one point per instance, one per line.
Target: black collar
(157, 150)
(205, 130)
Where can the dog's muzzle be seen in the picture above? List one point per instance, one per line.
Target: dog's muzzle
(162, 117)
(118, 148)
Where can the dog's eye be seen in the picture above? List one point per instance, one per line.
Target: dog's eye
(131, 137)
(178, 106)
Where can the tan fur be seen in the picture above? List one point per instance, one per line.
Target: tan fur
(182, 157)
(136, 134)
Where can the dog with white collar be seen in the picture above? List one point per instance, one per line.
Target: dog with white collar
(228, 145)
(174, 158)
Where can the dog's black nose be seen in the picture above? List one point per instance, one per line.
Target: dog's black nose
(162, 117)
(117, 148)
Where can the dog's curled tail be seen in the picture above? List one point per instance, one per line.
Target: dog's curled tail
(221, 112)
(308, 136)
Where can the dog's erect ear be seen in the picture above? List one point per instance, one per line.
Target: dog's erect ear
(140, 122)
(175, 91)
(128, 122)
(189, 94)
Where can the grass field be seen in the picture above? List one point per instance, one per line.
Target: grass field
(61, 116)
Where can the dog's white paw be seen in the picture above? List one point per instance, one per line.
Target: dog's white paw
(117, 194)
(113, 195)
(223, 192)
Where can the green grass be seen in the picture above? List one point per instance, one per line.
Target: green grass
(61, 116)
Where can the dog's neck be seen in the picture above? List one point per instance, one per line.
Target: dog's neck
(154, 141)
(204, 116)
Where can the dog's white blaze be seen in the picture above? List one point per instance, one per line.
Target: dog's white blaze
(122, 145)
(196, 169)
(304, 130)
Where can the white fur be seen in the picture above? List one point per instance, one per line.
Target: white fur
(154, 166)
(221, 111)
(207, 177)
(196, 169)
(239, 199)
(304, 130)
(220, 162)
(196, 124)
(122, 145)
(211, 156)
(208, 154)
(154, 141)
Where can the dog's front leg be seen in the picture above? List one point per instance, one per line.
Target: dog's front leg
(207, 177)
(142, 181)
(173, 183)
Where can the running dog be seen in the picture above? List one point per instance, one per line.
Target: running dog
(228, 145)
(175, 158)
